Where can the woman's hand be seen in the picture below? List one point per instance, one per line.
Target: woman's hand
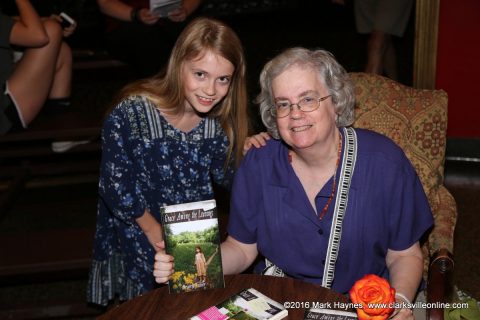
(145, 16)
(259, 140)
(68, 31)
(187, 8)
(178, 15)
(163, 266)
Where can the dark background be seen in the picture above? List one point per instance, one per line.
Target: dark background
(56, 208)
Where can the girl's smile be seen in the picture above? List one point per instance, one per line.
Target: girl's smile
(207, 80)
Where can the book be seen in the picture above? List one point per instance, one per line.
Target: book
(162, 8)
(248, 304)
(328, 314)
(192, 237)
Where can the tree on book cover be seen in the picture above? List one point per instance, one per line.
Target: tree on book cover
(192, 236)
(248, 304)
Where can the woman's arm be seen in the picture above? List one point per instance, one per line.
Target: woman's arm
(236, 257)
(405, 268)
(28, 30)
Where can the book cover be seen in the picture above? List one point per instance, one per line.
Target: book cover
(248, 304)
(328, 314)
(192, 236)
(162, 8)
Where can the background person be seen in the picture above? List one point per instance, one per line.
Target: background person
(139, 38)
(166, 142)
(382, 20)
(287, 196)
(43, 71)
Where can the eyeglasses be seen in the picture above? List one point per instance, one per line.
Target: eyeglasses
(281, 109)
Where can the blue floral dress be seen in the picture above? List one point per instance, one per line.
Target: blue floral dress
(146, 163)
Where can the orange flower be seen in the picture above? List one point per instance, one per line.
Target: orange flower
(376, 297)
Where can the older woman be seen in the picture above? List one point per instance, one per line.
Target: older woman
(321, 201)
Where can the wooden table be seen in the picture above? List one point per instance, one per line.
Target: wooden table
(159, 304)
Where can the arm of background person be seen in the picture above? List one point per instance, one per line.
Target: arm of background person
(67, 31)
(190, 6)
(115, 9)
(186, 9)
(121, 11)
(28, 30)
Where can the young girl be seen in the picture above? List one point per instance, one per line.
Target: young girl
(200, 264)
(168, 139)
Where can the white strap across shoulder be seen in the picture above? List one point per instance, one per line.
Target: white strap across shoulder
(346, 173)
(341, 201)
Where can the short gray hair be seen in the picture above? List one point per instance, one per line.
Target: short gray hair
(331, 73)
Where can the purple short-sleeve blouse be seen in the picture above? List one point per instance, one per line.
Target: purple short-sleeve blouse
(386, 209)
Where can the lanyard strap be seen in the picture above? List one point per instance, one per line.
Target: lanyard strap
(341, 201)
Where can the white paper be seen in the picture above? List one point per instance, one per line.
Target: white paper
(162, 8)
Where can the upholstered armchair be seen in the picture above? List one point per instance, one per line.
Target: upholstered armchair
(417, 121)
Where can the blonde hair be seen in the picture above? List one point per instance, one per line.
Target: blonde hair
(166, 89)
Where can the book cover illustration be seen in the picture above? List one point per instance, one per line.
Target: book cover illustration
(248, 304)
(328, 314)
(192, 236)
(161, 8)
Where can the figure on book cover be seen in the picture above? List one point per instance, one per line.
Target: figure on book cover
(168, 139)
(198, 276)
(200, 264)
(342, 202)
(191, 233)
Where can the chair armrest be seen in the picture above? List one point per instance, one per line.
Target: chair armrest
(444, 211)
(440, 271)
(440, 284)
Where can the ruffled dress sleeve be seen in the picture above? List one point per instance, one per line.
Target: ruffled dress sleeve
(120, 185)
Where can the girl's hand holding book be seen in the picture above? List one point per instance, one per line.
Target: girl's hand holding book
(163, 266)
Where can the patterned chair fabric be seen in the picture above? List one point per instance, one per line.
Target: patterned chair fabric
(416, 120)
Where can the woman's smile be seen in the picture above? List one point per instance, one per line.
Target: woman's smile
(301, 128)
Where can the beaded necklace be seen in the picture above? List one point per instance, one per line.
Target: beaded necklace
(334, 184)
